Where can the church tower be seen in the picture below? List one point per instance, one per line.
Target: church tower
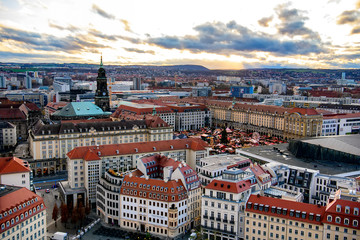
(102, 99)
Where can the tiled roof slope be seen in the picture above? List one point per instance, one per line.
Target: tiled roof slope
(10, 165)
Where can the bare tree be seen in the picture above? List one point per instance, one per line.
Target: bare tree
(55, 213)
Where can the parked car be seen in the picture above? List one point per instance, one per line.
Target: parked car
(47, 190)
(38, 188)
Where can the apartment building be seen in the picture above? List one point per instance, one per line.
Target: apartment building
(8, 137)
(272, 120)
(86, 165)
(22, 214)
(271, 218)
(49, 143)
(212, 167)
(223, 204)
(161, 197)
(315, 187)
(15, 172)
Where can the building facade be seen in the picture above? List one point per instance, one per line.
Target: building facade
(49, 143)
(8, 137)
(22, 214)
(15, 172)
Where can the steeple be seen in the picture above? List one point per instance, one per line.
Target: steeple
(154, 111)
(101, 63)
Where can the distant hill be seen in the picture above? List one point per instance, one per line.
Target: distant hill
(188, 67)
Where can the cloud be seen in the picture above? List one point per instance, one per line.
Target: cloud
(265, 21)
(45, 42)
(232, 38)
(139, 50)
(351, 17)
(70, 28)
(126, 25)
(101, 12)
(293, 23)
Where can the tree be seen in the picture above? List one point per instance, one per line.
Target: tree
(81, 213)
(74, 216)
(87, 207)
(64, 213)
(55, 213)
(224, 139)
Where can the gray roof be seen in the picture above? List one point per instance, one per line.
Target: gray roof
(349, 144)
(70, 127)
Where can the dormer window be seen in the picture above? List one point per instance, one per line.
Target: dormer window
(347, 210)
(338, 220)
(346, 221)
(338, 208)
(356, 211)
(355, 223)
(329, 218)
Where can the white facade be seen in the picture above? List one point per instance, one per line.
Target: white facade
(21, 179)
(341, 124)
(8, 135)
(61, 86)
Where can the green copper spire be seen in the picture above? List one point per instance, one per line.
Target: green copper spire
(154, 111)
(233, 103)
(101, 64)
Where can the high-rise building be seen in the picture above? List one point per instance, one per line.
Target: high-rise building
(137, 83)
(102, 98)
(28, 82)
(2, 81)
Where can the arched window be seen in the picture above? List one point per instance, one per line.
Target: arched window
(337, 219)
(329, 218)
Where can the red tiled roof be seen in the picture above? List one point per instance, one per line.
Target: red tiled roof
(257, 170)
(10, 165)
(11, 113)
(139, 111)
(303, 111)
(32, 106)
(331, 211)
(155, 189)
(342, 116)
(13, 200)
(290, 206)
(227, 186)
(195, 144)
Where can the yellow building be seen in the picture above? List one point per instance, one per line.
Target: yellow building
(271, 120)
(49, 143)
(269, 218)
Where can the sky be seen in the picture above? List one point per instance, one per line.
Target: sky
(224, 34)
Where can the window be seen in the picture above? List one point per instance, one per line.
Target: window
(329, 218)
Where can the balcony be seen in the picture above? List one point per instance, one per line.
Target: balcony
(212, 218)
(218, 219)
(225, 220)
(232, 222)
(331, 185)
(315, 197)
(325, 193)
(205, 216)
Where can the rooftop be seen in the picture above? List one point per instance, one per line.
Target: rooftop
(10, 165)
(217, 162)
(80, 109)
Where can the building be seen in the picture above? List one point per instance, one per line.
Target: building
(49, 143)
(190, 116)
(39, 98)
(28, 82)
(2, 81)
(161, 197)
(22, 214)
(141, 109)
(79, 110)
(239, 91)
(271, 218)
(52, 107)
(340, 108)
(201, 91)
(277, 88)
(15, 172)
(136, 83)
(341, 124)
(270, 120)
(302, 122)
(60, 86)
(13, 115)
(122, 157)
(223, 204)
(8, 137)
(102, 98)
(211, 167)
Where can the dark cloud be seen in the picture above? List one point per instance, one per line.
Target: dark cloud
(265, 21)
(232, 38)
(293, 23)
(31, 40)
(139, 50)
(101, 12)
(349, 17)
(70, 28)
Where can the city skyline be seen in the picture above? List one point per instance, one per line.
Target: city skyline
(231, 35)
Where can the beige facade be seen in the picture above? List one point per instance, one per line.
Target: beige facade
(8, 135)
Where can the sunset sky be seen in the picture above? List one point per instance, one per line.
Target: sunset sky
(216, 34)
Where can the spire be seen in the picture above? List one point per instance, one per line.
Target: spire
(154, 111)
(233, 103)
(101, 63)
